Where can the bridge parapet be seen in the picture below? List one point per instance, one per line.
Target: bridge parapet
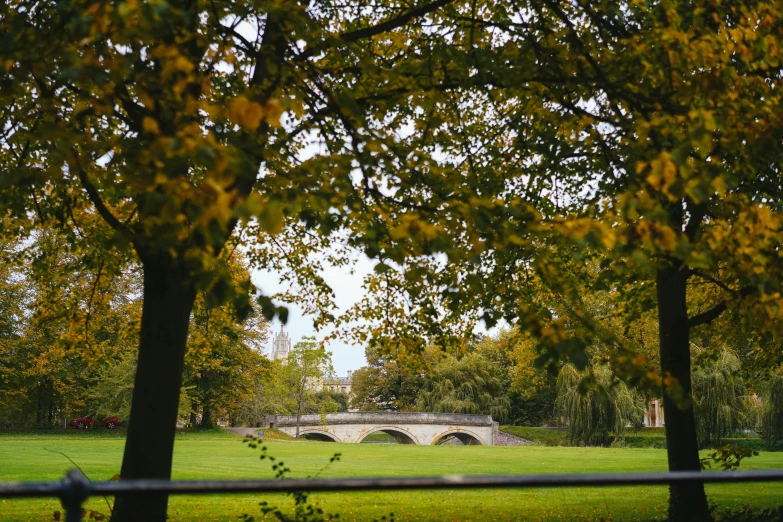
(380, 418)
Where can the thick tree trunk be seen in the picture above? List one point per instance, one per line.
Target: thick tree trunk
(168, 300)
(687, 502)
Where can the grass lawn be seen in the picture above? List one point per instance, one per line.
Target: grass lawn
(641, 438)
(215, 454)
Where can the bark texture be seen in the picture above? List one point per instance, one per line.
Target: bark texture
(168, 300)
(687, 502)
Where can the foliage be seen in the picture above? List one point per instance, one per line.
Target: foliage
(728, 457)
(224, 364)
(470, 384)
(330, 401)
(386, 383)
(530, 388)
(647, 133)
(535, 131)
(304, 372)
(69, 323)
(598, 414)
(113, 386)
(719, 396)
(772, 416)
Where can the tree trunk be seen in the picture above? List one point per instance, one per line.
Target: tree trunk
(687, 502)
(299, 407)
(40, 406)
(168, 300)
(50, 418)
(206, 415)
(206, 401)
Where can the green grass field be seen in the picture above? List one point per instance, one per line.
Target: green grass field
(216, 454)
(641, 438)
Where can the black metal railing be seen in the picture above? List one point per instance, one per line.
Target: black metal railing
(74, 489)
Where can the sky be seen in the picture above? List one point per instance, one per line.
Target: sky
(347, 288)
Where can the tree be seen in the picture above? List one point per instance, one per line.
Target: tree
(69, 322)
(330, 401)
(596, 415)
(14, 302)
(387, 383)
(166, 120)
(772, 412)
(646, 132)
(306, 368)
(272, 395)
(224, 356)
(531, 389)
(113, 389)
(719, 395)
(470, 384)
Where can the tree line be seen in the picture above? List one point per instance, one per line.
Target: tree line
(497, 376)
(68, 347)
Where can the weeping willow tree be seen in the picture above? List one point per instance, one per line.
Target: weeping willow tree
(721, 404)
(772, 416)
(596, 407)
(472, 384)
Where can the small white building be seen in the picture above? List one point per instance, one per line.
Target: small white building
(653, 418)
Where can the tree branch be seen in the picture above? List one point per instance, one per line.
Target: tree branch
(714, 312)
(389, 25)
(394, 23)
(95, 197)
(697, 213)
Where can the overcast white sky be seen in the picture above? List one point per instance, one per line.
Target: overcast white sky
(347, 288)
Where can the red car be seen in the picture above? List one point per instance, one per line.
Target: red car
(88, 421)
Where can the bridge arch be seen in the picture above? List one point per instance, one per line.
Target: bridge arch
(401, 435)
(321, 435)
(466, 437)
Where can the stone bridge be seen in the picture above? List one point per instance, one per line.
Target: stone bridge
(406, 428)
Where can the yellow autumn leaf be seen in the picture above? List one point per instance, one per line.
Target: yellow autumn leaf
(273, 113)
(665, 237)
(662, 172)
(719, 185)
(150, 125)
(245, 113)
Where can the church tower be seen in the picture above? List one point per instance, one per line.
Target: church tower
(281, 345)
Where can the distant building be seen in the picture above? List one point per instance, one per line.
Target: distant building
(341, 384)
(281, 345)
(338, 384)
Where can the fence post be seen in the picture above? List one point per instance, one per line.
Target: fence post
(74, 493)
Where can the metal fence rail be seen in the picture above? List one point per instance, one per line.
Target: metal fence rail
(74, 489)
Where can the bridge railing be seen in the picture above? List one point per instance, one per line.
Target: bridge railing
(381, 417)
(74, 489)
